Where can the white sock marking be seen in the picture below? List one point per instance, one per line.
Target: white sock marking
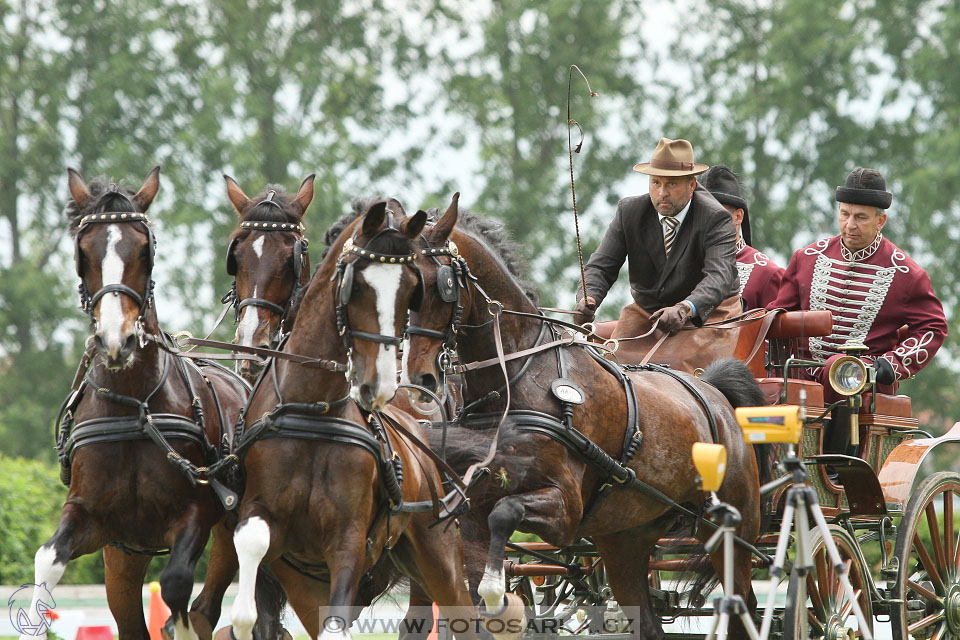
(492, 588)
(252, 539)
(47, 573)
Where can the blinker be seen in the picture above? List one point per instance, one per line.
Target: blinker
(447, 283)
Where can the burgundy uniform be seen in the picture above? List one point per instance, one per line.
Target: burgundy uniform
(759, 276)
(871, 294)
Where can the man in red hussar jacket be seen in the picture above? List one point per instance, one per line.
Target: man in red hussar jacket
(870, 286)
(759, 275)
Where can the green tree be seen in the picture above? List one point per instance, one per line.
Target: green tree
(793, 95)
(506, 77)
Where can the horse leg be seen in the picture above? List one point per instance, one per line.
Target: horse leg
(419, 604)
(124, 579)
(205, 610)
(75, 536)
(433, 558)
(176, 579)
(305, 595)
(626, 559)
(551, 509)
(345, 562)
(251, 541)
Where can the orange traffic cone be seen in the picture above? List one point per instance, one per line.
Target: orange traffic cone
(159, 612)
(435, 629)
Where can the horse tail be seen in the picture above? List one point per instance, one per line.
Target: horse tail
(735, 381)
(271, 599)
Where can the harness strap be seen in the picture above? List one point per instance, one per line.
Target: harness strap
(260, 302)
(489, 362)
(689, 386)
(319, 363)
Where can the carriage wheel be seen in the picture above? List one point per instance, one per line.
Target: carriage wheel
(928, 557)
(827, 611)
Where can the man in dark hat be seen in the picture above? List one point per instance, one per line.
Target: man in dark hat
(680, 244)
(759, 275)
(871, 287)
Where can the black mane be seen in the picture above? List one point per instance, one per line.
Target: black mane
(497, 238)
(105, 198)
(489, 230)
(265, 212)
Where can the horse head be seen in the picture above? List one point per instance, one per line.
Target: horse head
(377, 282)
(268, 259)
(114, 250)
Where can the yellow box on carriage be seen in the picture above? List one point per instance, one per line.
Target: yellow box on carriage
(781, 423)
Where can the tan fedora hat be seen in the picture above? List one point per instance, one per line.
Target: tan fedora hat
(671, 158)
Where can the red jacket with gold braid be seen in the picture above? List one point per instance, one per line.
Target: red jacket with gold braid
(759, 276)
(871, 294)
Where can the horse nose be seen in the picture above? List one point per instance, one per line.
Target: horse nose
(427, 380)
(367, 397)
(126, 349)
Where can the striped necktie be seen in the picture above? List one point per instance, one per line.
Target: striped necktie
(669, 232)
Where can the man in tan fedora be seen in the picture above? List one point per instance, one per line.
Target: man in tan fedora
(680, 243)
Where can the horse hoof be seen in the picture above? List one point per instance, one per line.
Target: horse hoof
(510, 621)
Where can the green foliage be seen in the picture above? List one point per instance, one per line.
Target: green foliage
(29, 511)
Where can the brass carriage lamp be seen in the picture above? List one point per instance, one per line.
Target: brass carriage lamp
(849, 376)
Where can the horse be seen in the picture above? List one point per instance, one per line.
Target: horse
(327, 476)
(269, 259)
(566, 460)
(141, 430)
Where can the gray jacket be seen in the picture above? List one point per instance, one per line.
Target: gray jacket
(701, 266)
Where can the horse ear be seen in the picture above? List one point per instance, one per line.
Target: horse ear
(238, 198)
(305, 194)
(78, 189)
(441, 231)
(413, 225)
(374, 216)
(148, 191)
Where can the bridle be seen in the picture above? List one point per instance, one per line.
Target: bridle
(144, 299)
(300, 253)
(451, 279)
(344, 274)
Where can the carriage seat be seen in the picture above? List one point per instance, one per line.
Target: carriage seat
(788, 324)
(801, 324)
(888, 405)
(773, 387)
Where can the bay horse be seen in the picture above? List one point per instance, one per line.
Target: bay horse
(326, 475)
(269, 259)
(546, 477)
(139, 430)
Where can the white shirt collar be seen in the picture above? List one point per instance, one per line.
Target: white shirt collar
(680, 216)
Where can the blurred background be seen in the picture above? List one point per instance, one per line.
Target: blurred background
(420, 98)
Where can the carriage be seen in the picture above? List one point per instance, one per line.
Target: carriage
(887, 524)
(892, 523)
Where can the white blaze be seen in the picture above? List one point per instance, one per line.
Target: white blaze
(111, 312)
(249, 321)
(384, 279)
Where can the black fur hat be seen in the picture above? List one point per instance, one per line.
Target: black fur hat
(866, 187)
(722, 182)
